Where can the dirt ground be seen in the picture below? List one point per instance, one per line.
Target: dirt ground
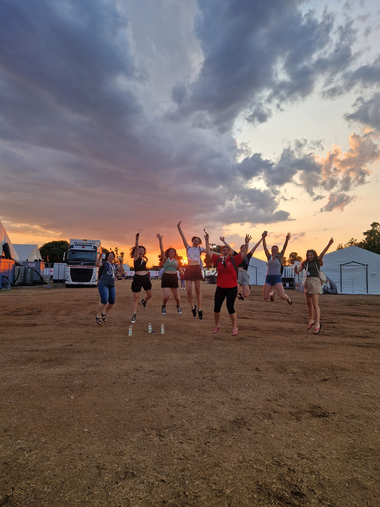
(274, 416)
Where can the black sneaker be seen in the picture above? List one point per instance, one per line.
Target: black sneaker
(163, 310)
(179, 309)
(143, 303)
(194, 310)
(133, 319)
(200, 314)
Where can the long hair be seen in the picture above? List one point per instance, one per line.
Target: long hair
(196, 237)
(132, 252)
(315, 257)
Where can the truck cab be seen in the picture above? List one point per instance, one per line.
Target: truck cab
(80, 262)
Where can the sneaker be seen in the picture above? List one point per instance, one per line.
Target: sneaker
(179, 309)
(133, 319)
(163, 310)
(194, 310)
(200, 314)
(143, 303)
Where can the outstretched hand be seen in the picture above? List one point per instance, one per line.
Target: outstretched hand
(264, 234)
(179, 224)
(288, 236)
(248, 238)
(137, 235)
(331, 241)
(206, 236)
(222, 239)
(159, 236)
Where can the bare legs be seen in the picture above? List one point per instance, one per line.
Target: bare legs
(136, 297)
(314, 312)
(175, 292)
(197, 286)
(269, 293)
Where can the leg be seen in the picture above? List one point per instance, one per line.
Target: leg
(281, 292)
(246, 291)
(111, 302)
(310, 308)
(267, 292)
(166, 292)
(231, 297)
(189, 289)
(218, 301)
(197, 285)
(175, 293)
(148, 295)
(136, 296)
(317, 310)
(104, 294)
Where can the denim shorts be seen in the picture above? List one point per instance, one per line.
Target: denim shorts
(273, 279)
(107, 294)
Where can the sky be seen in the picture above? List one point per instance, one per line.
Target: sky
(119, 116)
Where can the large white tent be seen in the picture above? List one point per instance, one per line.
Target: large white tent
(257, 271)
(28, 253)
(354, 270)
(5, 244)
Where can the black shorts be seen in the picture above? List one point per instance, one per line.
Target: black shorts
(193, 272)
(169, 281)
(141, 281)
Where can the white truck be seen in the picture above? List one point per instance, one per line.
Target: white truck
(80, 263)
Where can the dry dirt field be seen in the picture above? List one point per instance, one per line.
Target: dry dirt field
(274, 416)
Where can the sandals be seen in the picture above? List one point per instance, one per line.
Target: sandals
(310, 325)
(98, 320)
(272, 297)
(104, 317)
(240, 296)
(317, 330)
(290, 302)
(215, 330)
(234, 333)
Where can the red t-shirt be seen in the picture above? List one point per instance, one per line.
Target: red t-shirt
(227, 277)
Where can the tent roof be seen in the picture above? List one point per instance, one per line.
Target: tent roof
(25, 251)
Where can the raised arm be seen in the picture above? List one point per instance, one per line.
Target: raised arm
(182, 236)
(99, 260)
(288, 236)
(320, 257)
(245, 248)
(226, 244)
(136, 255)
(265, 244)
(256, 246)
(208, 249)
(159, 236)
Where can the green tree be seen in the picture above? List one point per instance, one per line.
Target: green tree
(372, 238)
(352, 242)
(54, 250)
(293, 257)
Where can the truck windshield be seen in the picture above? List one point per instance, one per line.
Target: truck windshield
(82, 256)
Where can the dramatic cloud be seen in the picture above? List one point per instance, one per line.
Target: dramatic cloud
(118, 116)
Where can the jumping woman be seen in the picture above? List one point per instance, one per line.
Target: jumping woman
(244, 286)
(273, 278)
(169, 280)
(141, 278)
(226, 281)
(312, 287)
(193, 272)
(106, 284)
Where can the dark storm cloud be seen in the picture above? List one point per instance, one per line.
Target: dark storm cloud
(367, 112)
(117, 109)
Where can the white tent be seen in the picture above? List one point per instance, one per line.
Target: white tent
(5, 244)
(354, 270)
(257, 271)
(28, 253)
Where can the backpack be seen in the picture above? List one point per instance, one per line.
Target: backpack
(232, 260)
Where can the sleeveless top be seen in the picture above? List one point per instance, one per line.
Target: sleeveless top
(311, 269)
(139, 264)
(274, 265)
(194, 253)
(171, 265)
